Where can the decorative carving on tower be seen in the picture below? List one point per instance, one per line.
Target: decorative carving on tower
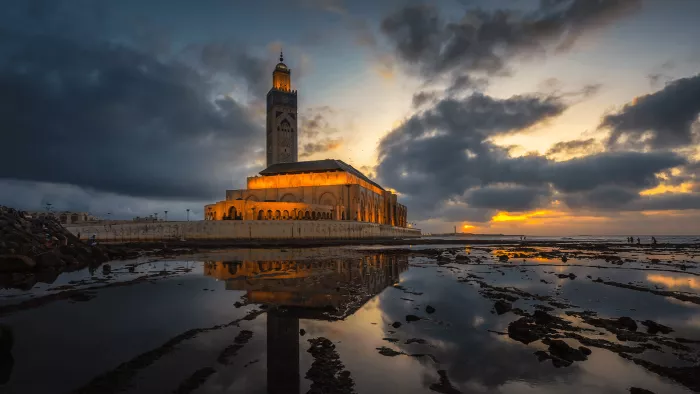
(282, 128)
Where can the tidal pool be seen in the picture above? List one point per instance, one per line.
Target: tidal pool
(362, 320)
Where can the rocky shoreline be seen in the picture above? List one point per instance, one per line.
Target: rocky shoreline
(38, 249)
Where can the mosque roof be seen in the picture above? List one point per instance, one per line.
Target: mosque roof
(316, 166)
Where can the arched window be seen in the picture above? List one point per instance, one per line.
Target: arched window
(269, 215)
(232, 214)
(278, 215)
(285, 215)
(307, 215)
(261, 215)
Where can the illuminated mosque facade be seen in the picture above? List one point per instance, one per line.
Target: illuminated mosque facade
(289, 189)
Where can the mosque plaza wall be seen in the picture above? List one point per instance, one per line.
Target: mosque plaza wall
(240, 230)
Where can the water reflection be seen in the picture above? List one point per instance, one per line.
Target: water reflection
(318, 290)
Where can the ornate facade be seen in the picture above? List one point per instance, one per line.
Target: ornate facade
(307, 190)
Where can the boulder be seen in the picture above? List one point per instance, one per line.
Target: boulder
(502, 307)
(429, 309)
(654, 327)
(49, 260)
(16, 263)
(627, 323)
(562, 350)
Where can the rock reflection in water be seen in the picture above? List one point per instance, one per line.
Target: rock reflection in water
(319, 290)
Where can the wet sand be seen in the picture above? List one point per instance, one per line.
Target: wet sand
(447, 318)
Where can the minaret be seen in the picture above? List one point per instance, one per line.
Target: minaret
(281, 117)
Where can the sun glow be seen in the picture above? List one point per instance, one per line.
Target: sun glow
(508, 217)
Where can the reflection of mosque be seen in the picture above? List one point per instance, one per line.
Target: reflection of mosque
(321, 290)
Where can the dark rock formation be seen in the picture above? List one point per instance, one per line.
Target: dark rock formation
(654, 327)
(502, 307)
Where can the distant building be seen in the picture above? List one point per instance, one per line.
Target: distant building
(66, 217)
(304, 190)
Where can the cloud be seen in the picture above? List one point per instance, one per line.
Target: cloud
(421, 98)
(486, 41)
(322, 146)
(508, 197)
(575, 147)
(663, 119)
(315, 122)
(110, 118)
(333, 6)
(442, 161)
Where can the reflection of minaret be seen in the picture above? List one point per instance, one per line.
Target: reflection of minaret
(329, 290)
(282, 353)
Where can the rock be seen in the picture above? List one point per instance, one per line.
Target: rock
(302, 332)
(502, 307)
(99, 255)
(654, 327)
(429, 309)
(627, 323)
(237, 304)
(49, 260)
(523, 330)
(564, 259)
(16, 263)
(385, 351)
(7, 339)
(410, 318)
(585, 350)
(562, 350)
(637, 390)
(444, 386)
(415, 340)
(542, 317)
(396, 324)
(564, 276)
(106, 269)
(503, 257)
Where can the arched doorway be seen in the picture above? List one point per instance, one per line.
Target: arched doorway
(261, 215)
(278, 215)
(232, 214)
(285, 215)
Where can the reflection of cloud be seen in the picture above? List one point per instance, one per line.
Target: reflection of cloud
(674, 281)
(478, 320)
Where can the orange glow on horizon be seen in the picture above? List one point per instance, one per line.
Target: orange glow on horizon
(508, 217)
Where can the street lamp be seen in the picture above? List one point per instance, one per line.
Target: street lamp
(188, 214)
(166, 215)
(109, 216)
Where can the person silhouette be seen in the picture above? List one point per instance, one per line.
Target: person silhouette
(639, 242)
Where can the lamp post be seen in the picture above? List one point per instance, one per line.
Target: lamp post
(109, 216)
(188, 214)
(166, 216)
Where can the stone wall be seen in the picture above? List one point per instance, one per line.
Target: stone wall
(237, 229)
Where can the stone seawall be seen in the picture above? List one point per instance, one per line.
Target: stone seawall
(241, 230)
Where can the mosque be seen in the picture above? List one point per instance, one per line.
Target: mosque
(289, 189)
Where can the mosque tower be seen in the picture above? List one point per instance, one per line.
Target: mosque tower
(282, 131)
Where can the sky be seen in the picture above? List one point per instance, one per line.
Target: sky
(537, 117)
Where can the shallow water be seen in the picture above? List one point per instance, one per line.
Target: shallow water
(141, 313)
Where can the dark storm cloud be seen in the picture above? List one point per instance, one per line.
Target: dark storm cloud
(235, 60)
(663, 119)
(509, 198)
(442, 157)
(486, 41)
(627, 169)
(111, 118)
